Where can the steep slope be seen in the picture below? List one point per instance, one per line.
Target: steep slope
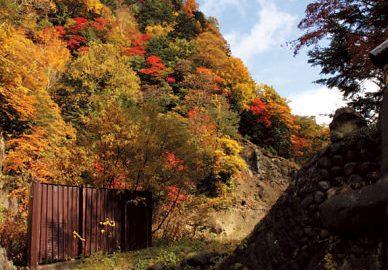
(256, 191)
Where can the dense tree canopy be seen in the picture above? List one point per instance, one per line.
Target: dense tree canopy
(131, 94)
(98, 83)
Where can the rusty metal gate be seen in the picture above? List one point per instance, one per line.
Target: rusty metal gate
(68, 222)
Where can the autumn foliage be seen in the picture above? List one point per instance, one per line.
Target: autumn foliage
(76, 31)
(155, 66)
(259, 108)
(134, 94)
(172, 162)
(138, 45)
(270, 123)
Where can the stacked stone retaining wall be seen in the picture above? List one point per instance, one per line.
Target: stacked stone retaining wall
(292, 235)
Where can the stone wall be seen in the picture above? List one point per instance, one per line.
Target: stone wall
(293, 234)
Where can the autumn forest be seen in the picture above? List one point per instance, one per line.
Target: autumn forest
(140, 95)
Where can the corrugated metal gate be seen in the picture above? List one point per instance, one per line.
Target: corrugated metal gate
(67, 222)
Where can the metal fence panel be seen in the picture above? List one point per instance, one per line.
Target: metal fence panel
(68, 222)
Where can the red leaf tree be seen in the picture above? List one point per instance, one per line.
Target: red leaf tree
(155, 66)
(259, 108)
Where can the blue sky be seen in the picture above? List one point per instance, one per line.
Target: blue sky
(257, 31)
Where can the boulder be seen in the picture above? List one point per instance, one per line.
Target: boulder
(319, 197)
(350, 168)
(356, 179)
(346, 122)
(323, 185)
(336, 171)
(324, 163)
(307, 200)
(196, 259)
(203, 260)
(357, 210)
(351, 155)
(338, 181)
(337, 160)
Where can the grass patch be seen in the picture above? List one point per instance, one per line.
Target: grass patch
(166, 255)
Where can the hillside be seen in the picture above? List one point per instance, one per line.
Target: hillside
(143, 95)
(231, 217)
(266, 178)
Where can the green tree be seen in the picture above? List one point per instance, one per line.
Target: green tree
(94, 79)
(186, 27)
(153, 12)
(171, 51)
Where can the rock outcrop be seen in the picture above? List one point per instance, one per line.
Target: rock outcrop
(233, 217)
(346, 122)
(266, 178)
(299, 232)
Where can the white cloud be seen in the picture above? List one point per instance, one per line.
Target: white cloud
(318, 103)
(272, 29)
(370, 86)
(214, 8)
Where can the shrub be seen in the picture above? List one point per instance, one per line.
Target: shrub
(13, 233)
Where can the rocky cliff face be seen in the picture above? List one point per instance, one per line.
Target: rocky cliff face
(267, 177)
(293, 235)
(233, 217)
(256, 191)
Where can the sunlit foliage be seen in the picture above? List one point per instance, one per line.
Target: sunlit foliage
(130, 94)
